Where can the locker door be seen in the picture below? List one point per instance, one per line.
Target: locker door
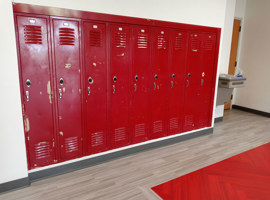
(177, 81)
(68, 86)
(96, 86)
(36, 89)
(119, 91)
(159, 82)
(192, 81)
(140, 84)
(207, 75)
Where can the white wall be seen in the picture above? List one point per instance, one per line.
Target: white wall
(225, 49)
(12, 148)
(254, 58)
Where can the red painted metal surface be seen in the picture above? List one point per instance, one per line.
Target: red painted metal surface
(140, 82)
(32, 34)
(241, 177)
(192, 81)
(120, 64)
(177, 70)
(114, 113)
(95, 64)
(206, 75)
(160, 51)
(66, 48)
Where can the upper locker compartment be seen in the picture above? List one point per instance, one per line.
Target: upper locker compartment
(192, 81)
(207, 77)
(95, 65)
(160, 53)
(140, 82)
(176, 83)
(34, 61)
(68, 85)
(119, 79)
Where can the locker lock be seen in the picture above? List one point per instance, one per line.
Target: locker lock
(189, 74)
(28, 83)
(136, 78)
(155, 76)
(114, 79)
(61, 81)
(173, 75)
(90, 80)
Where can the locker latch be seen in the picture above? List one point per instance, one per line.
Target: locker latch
(155, 77)
(28, 83)
(114, 79)
(61, 81)
(136, 78)
(90, 80)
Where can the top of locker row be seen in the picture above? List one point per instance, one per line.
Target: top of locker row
(61, 12)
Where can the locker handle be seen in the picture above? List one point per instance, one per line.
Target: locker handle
(187, 83)
(89, 91)
(60, 93)
(113, 87)
(202, 81)
(171, 84)
(135, 87)
(27, 96)
(155, 86)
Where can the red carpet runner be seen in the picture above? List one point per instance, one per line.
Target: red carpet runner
(242, 177)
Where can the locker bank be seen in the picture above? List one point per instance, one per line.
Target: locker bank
(99, 82)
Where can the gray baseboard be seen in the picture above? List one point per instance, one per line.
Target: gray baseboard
(13, 185)
(250, 110)
(34, 176)
(218, 119)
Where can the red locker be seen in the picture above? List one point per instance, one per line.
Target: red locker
(192, 81)
(119, 91)
(141, 72)
(177, 69)
(95, 65)
(207, 77)
(159, 78)
(36, 88)
(68, 86)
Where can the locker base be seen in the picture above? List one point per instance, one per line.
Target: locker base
(54, 171)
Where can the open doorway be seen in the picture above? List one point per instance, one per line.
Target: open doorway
(233, 55)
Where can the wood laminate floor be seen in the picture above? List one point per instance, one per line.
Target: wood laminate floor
(132, 177)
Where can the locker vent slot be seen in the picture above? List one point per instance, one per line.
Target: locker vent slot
(71, 144)
(189, 120)
(42, 150)
(120, 134)
(174, 123)
(179, 43)
(66, 36)
(162, 42)
(139, 130)
(142, 42)
(195, 44)
(157, 126)
(96, 139)
(208, 46)
(120, 40)
(95, 38)
(32, 34)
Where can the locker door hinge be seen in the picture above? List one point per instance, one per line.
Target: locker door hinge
(240, 28)
(53, 144)
(235, 63)
(28, 138)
